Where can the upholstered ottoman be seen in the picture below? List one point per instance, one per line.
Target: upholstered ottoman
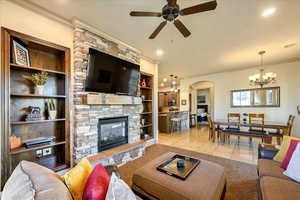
(206, 182)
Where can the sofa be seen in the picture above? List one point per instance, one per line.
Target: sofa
(32, 181)
(273, 184)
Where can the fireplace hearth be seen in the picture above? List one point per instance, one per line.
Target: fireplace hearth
(112, 132)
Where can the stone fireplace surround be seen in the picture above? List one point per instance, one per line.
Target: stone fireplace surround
(86, 117)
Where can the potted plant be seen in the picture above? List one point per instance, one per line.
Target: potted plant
(51, 109)
(39, 80)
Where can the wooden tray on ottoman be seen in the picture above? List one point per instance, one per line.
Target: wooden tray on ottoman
(170, 166)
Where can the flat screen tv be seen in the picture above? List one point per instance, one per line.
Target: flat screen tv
(109, 74)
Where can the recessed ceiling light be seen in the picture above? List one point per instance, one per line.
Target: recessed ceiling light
(159, 52)
(268, 12)
(165, 80)
(162, 84)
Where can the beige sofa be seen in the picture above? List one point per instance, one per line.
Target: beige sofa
(31, 181)
(273, 184)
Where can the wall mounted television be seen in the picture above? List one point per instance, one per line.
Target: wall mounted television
(109, 74)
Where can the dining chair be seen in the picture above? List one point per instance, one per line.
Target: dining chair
(233, 118)
(290, 125)
(256, 119)
(288, 131)
(212, 130)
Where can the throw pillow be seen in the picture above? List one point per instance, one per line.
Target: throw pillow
(119, 190)
(284, 164)
(97, 184)
(284, 148)
(77, 177)
(293, 170)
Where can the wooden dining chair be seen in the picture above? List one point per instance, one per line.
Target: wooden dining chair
(212, 130)
(235, 118)
(290, 124)
(257, 119)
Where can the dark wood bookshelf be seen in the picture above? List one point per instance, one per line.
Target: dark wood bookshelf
(35, 122)
(17, 95)
(37, 96)
(23, 149)
(147, 96)
(21, 67)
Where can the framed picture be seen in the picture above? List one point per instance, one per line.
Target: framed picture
(183, 102)
(20, 54)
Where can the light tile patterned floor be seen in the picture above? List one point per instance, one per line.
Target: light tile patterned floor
(196, 139)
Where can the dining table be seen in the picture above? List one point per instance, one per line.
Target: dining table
(272, 128)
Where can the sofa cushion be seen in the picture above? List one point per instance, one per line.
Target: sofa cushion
(270, 168)
(284, 148)
(31, 181)
(77, 177)
(97, 184)
(278, 189)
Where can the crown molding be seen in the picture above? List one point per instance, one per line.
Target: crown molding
(156, 62)
(79, 23)
(42, 11)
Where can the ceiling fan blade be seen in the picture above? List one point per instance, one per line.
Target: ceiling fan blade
(172, 2)
(158, 29)
(145, 14)
(199, 8)
(181, 27)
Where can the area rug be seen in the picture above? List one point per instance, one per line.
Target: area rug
(241, 177)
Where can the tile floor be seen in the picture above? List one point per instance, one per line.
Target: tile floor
(196, 139)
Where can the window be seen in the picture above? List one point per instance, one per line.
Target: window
(261, 97)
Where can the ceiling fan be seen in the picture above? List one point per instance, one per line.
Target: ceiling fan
(171, 11)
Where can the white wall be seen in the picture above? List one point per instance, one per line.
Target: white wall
(288, 80)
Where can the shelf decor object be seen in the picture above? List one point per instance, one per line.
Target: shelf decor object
(49, 63)
(39, 80)
(20, 54)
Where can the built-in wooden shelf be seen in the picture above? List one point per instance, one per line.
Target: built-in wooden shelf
(16, 66)
(36, 95)
(146, 113)
(146, 88)
(147, 100)
(23, 149)
(146, 125)
(59, 167)
(36, 122)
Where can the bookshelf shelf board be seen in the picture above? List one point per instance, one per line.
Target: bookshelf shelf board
(146, 88)
(146, 113)
(23, 149)
(16, 66)
(36, 122)
(146, 125)
(36, 96)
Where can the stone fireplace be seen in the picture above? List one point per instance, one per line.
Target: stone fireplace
(92, 120)
(112, 132)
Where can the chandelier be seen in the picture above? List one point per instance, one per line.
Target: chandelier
(262, 78)
(172, 83)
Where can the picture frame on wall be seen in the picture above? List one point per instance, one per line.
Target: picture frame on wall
(183, 102)
(20, 54)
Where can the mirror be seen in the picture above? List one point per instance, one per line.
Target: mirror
(260, 97)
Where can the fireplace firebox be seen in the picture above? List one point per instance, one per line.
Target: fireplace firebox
(112, 132)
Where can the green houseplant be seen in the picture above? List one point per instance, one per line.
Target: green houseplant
(39, 80)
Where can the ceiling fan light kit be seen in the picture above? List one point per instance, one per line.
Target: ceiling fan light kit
(171, 12)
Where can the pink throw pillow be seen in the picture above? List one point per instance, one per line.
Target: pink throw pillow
(97, 184)
(284, 164)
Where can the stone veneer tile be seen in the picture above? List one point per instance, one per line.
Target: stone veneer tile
(86, 117)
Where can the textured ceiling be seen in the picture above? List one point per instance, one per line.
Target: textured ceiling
(225, 39)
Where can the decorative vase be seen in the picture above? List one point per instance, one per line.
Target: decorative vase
(39, 89)
(52, 114)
